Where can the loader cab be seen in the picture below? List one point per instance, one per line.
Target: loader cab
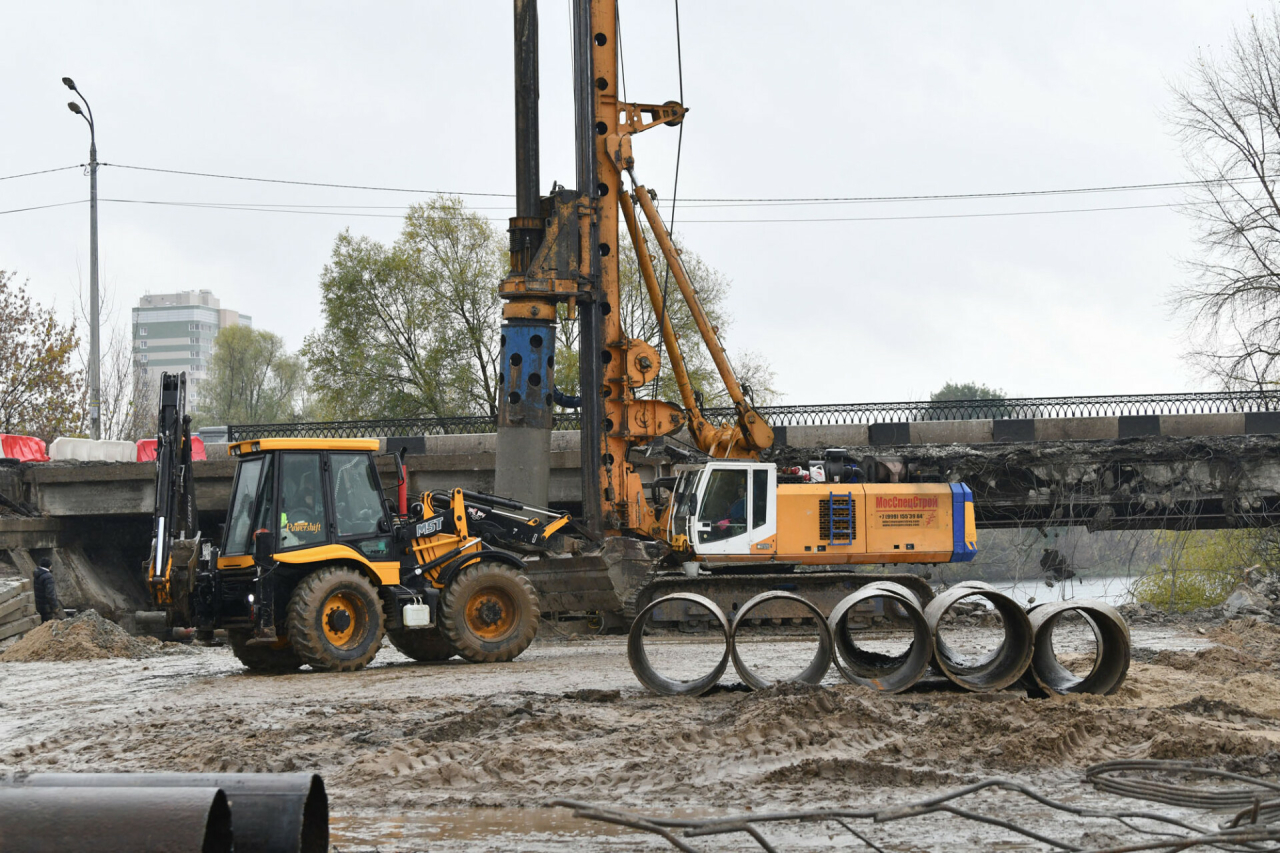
(292, 495)
(725, 507)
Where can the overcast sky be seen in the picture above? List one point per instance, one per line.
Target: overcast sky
(811, 99)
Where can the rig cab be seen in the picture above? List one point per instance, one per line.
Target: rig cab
(726, 512)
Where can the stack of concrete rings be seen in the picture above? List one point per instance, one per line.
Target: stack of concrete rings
(1112, 648)
(1025, 652)
(886, 673)
(1001, 667)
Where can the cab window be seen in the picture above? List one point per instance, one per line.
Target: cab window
(759, 498)
(724, 506)
(302, 516)
(239, 525)
(684, 500)
(357, 496)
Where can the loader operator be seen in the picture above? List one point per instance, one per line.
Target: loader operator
(47, 604)
(301, 518)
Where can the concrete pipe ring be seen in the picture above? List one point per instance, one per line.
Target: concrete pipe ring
(1112, 648)
(887, 673)
(998, 669)
(818, 666)
(650, 677)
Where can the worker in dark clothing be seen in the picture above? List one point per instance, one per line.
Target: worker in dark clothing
(47, 604)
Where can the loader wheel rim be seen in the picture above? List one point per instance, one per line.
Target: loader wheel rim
(491, 613)
(343, 617)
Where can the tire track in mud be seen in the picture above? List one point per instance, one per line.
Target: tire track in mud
(409, 737)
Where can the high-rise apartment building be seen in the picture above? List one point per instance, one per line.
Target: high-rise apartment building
(173, 332)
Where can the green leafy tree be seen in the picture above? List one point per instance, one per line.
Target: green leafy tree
(252, 379)
(42, 392)
(965, 391)
(639, 320)
(411, 329)
(953, 392)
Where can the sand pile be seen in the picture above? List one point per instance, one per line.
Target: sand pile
(86, 637)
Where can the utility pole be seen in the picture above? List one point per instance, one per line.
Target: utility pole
(95, 372)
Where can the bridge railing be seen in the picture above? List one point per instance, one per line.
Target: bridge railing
(1111, 405)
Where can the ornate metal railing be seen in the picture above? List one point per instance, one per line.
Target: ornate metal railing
(1212, 402)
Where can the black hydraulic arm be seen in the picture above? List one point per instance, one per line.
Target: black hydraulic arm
(175, 511)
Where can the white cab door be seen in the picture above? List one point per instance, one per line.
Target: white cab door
(727, 501)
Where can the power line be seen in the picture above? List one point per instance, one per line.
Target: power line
(1167, 185)
(303, 183)
(725, 201)
(44, 206)
(340, 210)
(201, 205)
(43, 172)
(957, 215)
(1162, 185)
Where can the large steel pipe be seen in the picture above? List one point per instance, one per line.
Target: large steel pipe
(114, 820)
(659, 683)
(818, 666)
(993, 671)
(1111, 648)
(274, 812)
(888, 673)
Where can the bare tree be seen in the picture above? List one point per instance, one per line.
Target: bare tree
(1227, 116)
(129, 399)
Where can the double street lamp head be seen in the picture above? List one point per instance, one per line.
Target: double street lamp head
(87, 112)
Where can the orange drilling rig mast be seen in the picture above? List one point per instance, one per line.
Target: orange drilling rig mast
(564, 249)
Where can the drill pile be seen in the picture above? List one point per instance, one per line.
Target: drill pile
(1024, 655)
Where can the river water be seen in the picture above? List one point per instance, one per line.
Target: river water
(1113, 590)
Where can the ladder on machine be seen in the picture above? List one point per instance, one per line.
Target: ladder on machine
(840, 519)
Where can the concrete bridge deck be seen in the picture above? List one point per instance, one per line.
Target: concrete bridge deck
(1149, 471)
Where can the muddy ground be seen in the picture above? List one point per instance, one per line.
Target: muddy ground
(461, 757)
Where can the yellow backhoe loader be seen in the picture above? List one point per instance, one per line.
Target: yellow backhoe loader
(316, 564)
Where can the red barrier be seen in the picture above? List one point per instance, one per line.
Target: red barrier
(147, 449)
(23, 447)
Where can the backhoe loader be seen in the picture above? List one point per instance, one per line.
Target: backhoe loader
(315, 565)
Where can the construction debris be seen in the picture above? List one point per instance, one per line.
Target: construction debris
(17, 608)
(87, 636)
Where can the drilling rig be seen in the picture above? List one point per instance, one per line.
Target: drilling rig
(726, 525)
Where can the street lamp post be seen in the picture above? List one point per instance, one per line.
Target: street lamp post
(95, 386)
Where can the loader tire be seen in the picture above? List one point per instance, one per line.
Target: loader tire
(426, 645)
(279, 658)
(489, 612)
(335, 620)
